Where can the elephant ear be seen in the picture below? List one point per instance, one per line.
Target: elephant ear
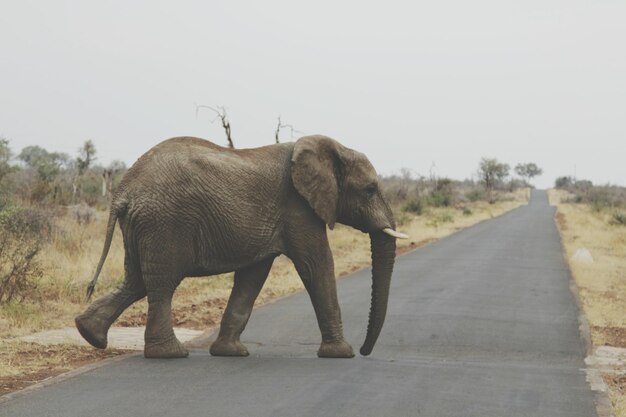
(315, 163)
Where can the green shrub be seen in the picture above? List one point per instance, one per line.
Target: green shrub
(467, 211)
(415, 206)
(443, 194)
(439, 199)
(563, 182)
(475, 195)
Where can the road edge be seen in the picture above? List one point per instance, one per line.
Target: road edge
(599, 389)
(65, 376)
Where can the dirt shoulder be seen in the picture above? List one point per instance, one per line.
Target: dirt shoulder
(24, 364)
(596, 252)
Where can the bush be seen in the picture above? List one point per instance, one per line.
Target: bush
(599, 198)
(475, 195)
(563, 182)
(415, 206)
(22, 233)
(515, 184)
(443, 194)
(439, 199)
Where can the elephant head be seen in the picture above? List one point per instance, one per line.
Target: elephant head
(341, 186)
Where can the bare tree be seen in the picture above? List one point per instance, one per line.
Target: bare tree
(221, 113)
(107, 177)
(280, 125)
(86, 156)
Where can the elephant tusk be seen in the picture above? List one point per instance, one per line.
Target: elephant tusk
(395, 234)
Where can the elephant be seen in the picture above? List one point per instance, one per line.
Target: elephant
(191, 208)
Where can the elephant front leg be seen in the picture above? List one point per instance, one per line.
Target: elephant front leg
(316, 268)
(323, 293)
(246, 288)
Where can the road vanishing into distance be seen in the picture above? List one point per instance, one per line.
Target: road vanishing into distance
(481, 323)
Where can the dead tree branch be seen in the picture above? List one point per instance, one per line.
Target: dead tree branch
(280, 125)
(221, 113)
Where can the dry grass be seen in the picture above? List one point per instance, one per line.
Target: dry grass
(601, 284)
(70, 258)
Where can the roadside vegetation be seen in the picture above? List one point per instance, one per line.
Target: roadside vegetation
(52, 225)
(592, 223)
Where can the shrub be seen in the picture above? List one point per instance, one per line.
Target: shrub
(415, 206)
(443, 194)
(514, 184)
(563, 182)
(439, 199)
(475, 194)
(22, 233)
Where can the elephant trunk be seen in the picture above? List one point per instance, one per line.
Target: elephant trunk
(383, 257)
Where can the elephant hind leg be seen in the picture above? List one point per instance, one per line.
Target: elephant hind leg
(246, 288)
(161, 281)
(95, 322)
(160, 340)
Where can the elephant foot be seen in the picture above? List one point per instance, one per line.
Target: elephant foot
(224, 347)
(168, 349)
(340, 349)
(93, 329)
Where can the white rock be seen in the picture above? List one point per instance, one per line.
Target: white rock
(583, 256)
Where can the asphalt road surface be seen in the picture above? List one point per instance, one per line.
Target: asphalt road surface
(480, 324)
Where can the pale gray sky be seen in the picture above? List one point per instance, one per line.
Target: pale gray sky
(408, 83)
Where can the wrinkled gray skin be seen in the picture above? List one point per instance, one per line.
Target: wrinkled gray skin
(191, 208)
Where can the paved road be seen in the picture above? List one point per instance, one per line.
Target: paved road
(480, 324)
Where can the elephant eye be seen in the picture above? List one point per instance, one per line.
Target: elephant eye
(371, 189)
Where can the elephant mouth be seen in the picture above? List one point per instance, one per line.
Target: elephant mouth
(393, 233)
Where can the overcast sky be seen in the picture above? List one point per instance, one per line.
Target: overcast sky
(411, 84)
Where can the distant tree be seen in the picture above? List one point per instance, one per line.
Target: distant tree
(86, 156)
(221, 113)
(5, 157)
(528, 170)
(108, 174)
(84, 160)
(491, 171)
(564, 182)
(47, 166)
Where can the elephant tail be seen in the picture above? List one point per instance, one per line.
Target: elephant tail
(113, 215)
